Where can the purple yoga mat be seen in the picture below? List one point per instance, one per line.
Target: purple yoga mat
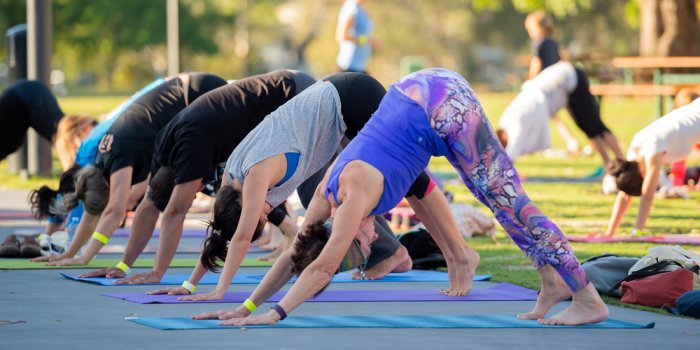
(188, 232)
(499, 292)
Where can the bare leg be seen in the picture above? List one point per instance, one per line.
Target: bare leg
(571, 143)
(599, 145)
(462, 260)
(552, 291)
(399, 262)
(587, 307)
(613, 144)
(477, 155)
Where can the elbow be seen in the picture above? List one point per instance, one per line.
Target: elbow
(322, 271)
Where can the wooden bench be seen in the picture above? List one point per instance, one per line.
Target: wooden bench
(665, 84)
(667, 91)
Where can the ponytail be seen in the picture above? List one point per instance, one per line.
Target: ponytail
(41, 200)
(227, 214)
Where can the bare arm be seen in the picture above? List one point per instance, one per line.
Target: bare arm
(259, 179)
(172, 223)
(358, 193)
(112, 216)
(535, 67)
(342, 32)
(622, 203)
(141, 232)
(651, 180)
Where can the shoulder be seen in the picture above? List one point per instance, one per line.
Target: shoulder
(349, 9)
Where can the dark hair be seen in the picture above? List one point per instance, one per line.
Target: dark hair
(91, 188)
(161, 187)
(42, 200)
(227, 214)
(308, 247)
(628, 177)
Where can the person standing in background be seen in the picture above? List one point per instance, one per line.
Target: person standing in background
(545, 52)
(353, 35)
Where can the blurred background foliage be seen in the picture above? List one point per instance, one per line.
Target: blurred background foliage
(106, 46)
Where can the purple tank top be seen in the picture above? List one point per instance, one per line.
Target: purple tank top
(398, 141)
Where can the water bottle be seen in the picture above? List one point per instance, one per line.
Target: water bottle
(71, 227)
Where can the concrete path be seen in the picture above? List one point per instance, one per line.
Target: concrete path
(56, 313)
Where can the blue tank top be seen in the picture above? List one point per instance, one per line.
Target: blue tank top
(398, 141)
(88, 147)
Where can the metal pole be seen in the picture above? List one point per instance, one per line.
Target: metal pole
(173, 38)
(39, 39)
(17, 63)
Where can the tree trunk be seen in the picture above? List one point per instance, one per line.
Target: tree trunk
(669, 28)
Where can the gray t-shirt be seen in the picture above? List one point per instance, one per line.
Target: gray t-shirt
(309, 124)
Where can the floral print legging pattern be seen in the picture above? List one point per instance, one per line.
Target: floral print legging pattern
(455, 113)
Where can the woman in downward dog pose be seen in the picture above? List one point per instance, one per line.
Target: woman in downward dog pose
(117, 179)
(668, 139)
(76, 144)
(287, 148)
(189, 156)
(428, 113)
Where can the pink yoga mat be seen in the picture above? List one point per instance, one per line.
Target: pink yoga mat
(499, 292)
(661, 239)
(15, 215)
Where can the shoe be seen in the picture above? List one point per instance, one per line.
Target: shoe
(609, 185)
(29, 248)
(10, 247)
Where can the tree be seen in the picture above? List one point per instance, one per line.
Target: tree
(669, 28)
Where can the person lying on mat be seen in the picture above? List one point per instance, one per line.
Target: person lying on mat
(668, 139)
(524, 125)
(119, 175)
(189, 153)
(76, 144)
(260, 175)
(428, 113)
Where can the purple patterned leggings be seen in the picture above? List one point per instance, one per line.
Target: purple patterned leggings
(455, 113)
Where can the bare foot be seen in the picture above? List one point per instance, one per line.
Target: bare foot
(586, 308)
(552, 291)
(399, 262)
(461, 273)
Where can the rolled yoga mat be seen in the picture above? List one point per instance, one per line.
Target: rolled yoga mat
(499, 292)
(343, 277)
(20, 264)
(379, 321)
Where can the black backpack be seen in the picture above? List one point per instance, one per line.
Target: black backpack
(423, 250)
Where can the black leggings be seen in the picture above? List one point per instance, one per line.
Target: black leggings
(360, 95)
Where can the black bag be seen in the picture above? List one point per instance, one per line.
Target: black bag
(607, 271)
(423, 250)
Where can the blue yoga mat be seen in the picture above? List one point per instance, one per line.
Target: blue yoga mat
(343, 277)
(501, 291)
(378, 321)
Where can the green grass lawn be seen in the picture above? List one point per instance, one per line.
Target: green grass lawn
(577, 208)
